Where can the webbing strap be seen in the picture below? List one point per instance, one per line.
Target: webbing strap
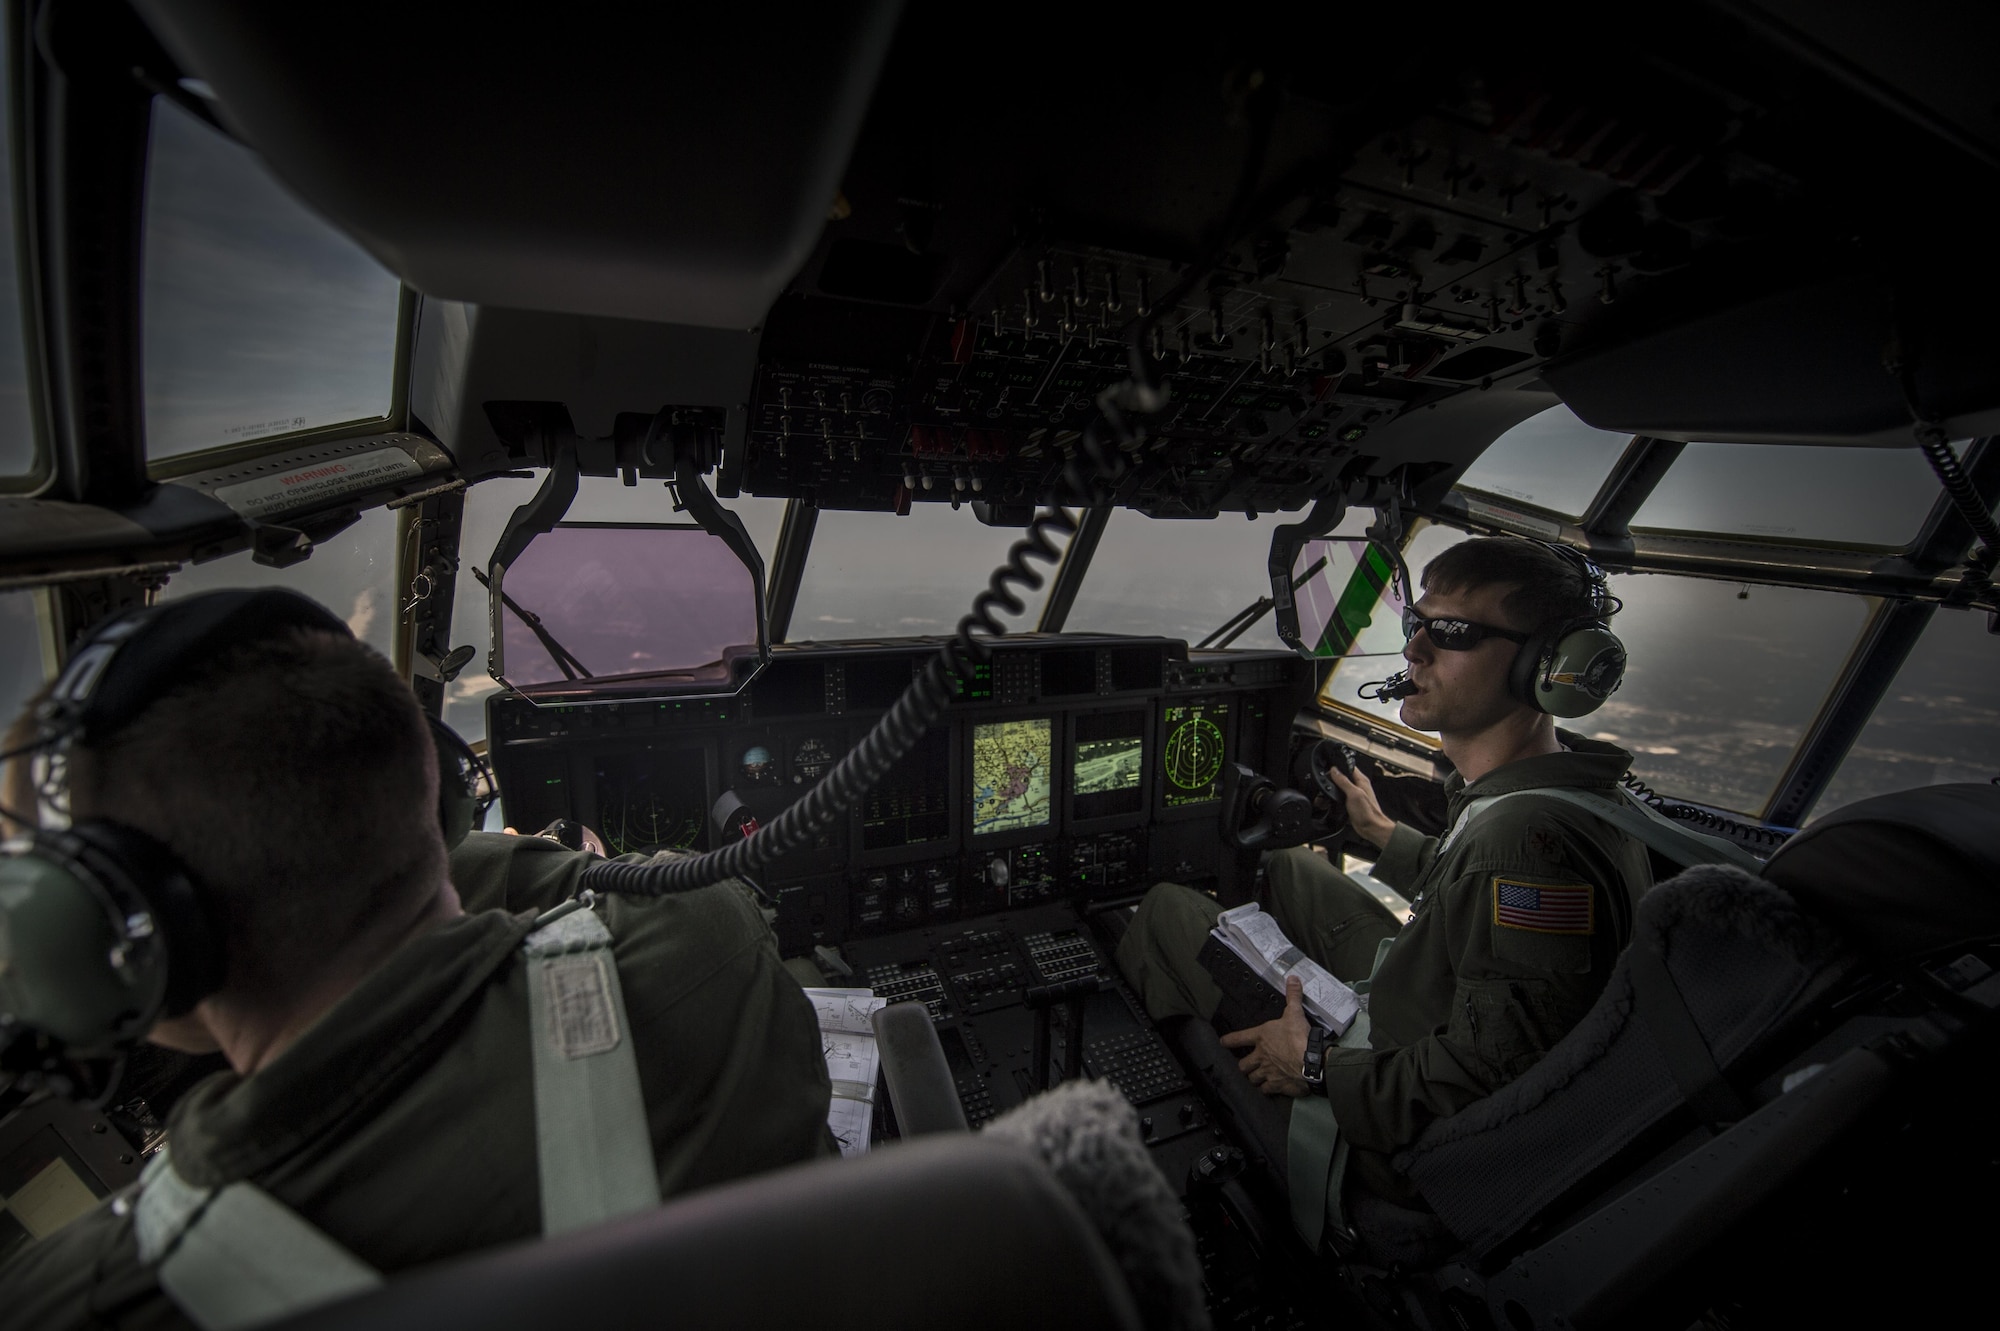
(1665, 1012)
(594, 1149)
(237, 1257)
(1625, 812)
(1315, 1152)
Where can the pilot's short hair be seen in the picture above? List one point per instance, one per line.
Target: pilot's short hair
(1545, 588)
(296, 779)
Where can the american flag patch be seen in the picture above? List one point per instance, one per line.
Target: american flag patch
(1543, 908)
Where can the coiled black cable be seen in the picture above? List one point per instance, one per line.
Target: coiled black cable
(1964, 497)
(1758, 837)
(921, 704)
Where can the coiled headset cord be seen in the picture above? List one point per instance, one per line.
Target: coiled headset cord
(921, 704)
(1762, 838)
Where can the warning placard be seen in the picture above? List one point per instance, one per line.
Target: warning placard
(319, 483)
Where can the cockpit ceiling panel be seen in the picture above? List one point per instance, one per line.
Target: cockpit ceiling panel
(1684, 219)
(671, 162)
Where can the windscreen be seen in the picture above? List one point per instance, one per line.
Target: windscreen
(605, 601)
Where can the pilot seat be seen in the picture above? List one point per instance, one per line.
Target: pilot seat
(1785, 1082)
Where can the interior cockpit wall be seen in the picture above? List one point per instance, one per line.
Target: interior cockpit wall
(1681, 288)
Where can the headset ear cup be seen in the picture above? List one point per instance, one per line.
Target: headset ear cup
(458, 783)
(1527, 665)
(1585, 668)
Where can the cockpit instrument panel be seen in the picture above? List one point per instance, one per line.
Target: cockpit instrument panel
(1075, 767)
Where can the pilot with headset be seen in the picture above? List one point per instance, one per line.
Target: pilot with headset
(1518, 911)
(256, 862)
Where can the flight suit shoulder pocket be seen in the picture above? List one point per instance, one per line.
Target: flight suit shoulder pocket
(1542, 922)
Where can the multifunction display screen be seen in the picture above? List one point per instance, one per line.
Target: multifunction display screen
(1194, 741)
(911, 804)
(653, 801)
(1110, 757)
(1011, 762)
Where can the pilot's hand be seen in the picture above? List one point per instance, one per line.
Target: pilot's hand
(1277, 1048)
(1364, 811)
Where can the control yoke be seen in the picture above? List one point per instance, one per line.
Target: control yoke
(1260, 814)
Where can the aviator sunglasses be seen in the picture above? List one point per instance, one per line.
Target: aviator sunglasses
(1454, 635)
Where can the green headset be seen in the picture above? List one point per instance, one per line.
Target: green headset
(1569, 669)
(102, 929)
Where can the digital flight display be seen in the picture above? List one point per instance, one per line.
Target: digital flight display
(648, 802)
(1109, 760)
(1011, 784)
(911, 804)
(1193, 744)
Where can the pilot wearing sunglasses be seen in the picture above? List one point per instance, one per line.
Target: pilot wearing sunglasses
(1517, 913)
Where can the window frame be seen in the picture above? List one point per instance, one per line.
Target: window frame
(396, 421)
(41, 473)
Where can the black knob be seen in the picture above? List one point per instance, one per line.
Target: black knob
(1187, 1116)
(1146, 1127)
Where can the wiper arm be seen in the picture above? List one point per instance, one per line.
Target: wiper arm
(1243, 620)
(568, 664)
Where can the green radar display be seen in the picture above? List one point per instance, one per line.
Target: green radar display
(1191, 756)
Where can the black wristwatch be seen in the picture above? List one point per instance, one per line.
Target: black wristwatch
(1314, 1071)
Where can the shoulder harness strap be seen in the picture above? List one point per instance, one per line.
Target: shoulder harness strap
(594, 1146)
(1628, 815)
(237, 1257)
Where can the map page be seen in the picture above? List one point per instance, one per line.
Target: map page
(1010, 775)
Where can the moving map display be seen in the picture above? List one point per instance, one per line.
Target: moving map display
(1191, 754)
(1109, 761)
(1010, 775)
(652, 801)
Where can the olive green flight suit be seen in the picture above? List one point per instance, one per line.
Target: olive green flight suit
(402, 1123)
(1514, 929)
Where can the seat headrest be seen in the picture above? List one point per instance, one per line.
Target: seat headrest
(1904, 874)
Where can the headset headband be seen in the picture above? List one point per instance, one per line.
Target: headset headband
(134, 659)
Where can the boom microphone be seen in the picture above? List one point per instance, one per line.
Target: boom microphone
(1398, 685)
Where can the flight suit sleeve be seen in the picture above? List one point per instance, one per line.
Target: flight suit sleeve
(496, 871)
(1407, 857)
(1516, 990)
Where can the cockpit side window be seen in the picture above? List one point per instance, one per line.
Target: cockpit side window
(261, 319)
(21, 461)
(1552, 460)
(20, 654)
(1939, 722)
(1853, 497)
(352, 573)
